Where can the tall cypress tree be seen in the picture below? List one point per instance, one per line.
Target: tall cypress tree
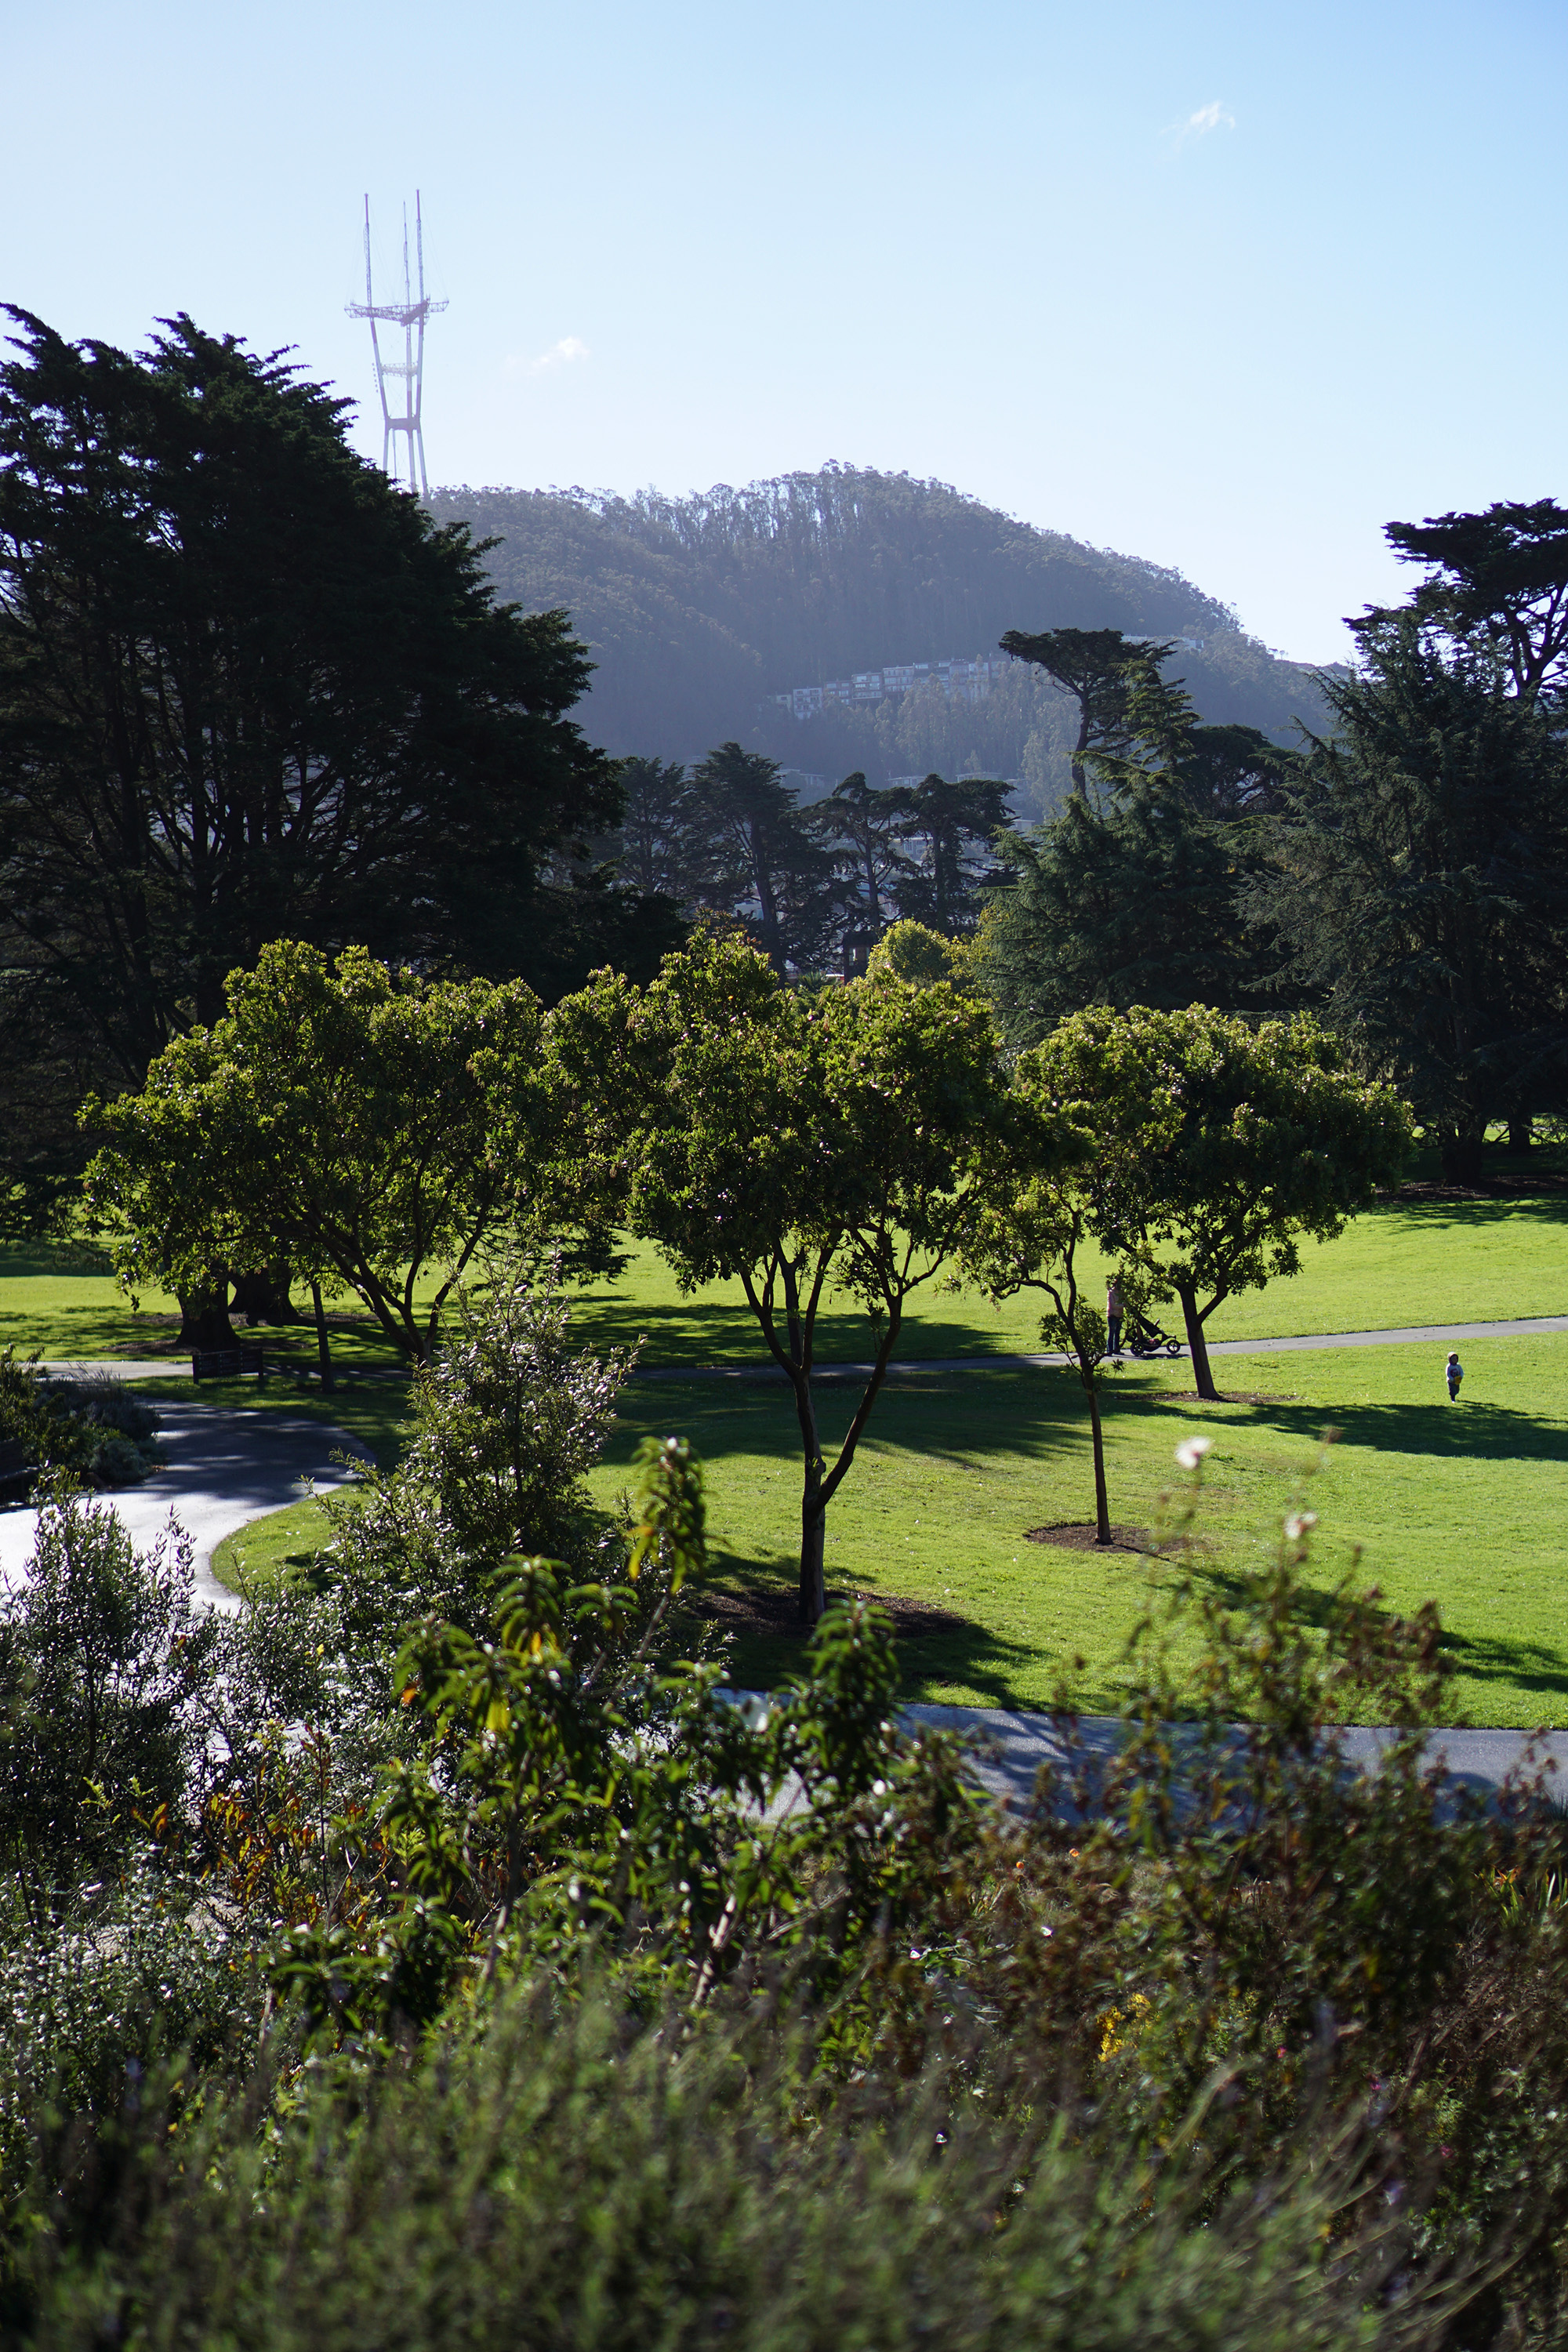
(1419, 881)
(247, 690)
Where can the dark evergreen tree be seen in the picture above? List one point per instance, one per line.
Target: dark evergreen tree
(1135, 901)
(1102, 670)
(757, 858)
(956, 826)
(654, 844)
(1134, 907)
(248, 689)
(863, 832)
(1498, 579)
(1419, 879)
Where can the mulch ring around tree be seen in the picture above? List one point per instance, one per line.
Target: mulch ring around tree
(1075, 1535)
(776, 1613)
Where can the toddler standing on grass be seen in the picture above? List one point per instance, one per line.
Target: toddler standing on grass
(1456, 1372)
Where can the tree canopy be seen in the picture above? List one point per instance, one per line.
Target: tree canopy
(1498, 579)
(1135, 894)
(1099, 670)
(362, 1123)
(1418, 881)
(1220, 1145)
(249, 690)
(799, 1146)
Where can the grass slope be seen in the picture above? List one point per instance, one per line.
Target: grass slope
(1465, 1261)
(1464, 1505)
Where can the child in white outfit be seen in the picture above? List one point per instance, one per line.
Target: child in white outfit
(1455, 1371)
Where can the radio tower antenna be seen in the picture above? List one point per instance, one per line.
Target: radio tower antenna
(410, 314)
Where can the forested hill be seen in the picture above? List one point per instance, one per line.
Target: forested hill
(699, 609)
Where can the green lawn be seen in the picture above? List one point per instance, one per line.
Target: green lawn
(1465, 1503)
(62, 1299)
(1462, 1504)
(1426, 1261)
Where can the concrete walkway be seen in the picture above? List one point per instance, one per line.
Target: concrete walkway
(226, 1468)
(1009, 1749)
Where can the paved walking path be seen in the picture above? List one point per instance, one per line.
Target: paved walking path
(226, 1468)
(1009, 1749)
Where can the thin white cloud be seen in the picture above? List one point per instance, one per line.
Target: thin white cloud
(1214, 116)
(561, 354)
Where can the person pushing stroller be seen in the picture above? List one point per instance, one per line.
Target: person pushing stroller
(1455, 1372)
(1113, 1312)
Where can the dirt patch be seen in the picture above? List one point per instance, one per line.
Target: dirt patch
(1073, 1537)
(1080, 1536)
(775, 1614)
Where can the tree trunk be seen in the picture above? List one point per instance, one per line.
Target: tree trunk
(813, 1510)
(1521, 1134)
(323, 1349)
(1074, 764)
(1459, 1152)
(1197, 1345)
(1102, 1499)
(203, 1318)
(813, 1542)
(262, 1295)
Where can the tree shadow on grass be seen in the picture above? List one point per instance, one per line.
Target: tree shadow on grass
(1436, 1217)
(1528, 1666)
(20, 1261)
(958, 1418)
(1525, 1666)
(749, 1603)
(1498, 1432)
(694, 1332)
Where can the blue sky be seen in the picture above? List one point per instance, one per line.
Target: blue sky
(1227, 287)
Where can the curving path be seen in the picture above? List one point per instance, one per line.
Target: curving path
(226, 1468)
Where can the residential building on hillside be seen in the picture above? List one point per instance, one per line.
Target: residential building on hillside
(960, 679)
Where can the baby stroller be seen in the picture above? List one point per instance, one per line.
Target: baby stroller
(1143, 1338)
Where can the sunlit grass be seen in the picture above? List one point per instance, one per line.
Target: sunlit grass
(1463, 1504)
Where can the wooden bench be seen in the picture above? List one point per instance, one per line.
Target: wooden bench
(228, 1363)
(17, 1470)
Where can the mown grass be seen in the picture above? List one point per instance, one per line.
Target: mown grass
(1463, 1505)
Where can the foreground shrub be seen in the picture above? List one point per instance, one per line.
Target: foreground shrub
(496, 1973)
(90, 1428)
(573, 2177)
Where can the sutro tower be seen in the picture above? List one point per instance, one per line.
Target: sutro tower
(410, 315)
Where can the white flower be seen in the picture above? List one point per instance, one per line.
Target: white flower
(1191, 1452)
(1297, 1523)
